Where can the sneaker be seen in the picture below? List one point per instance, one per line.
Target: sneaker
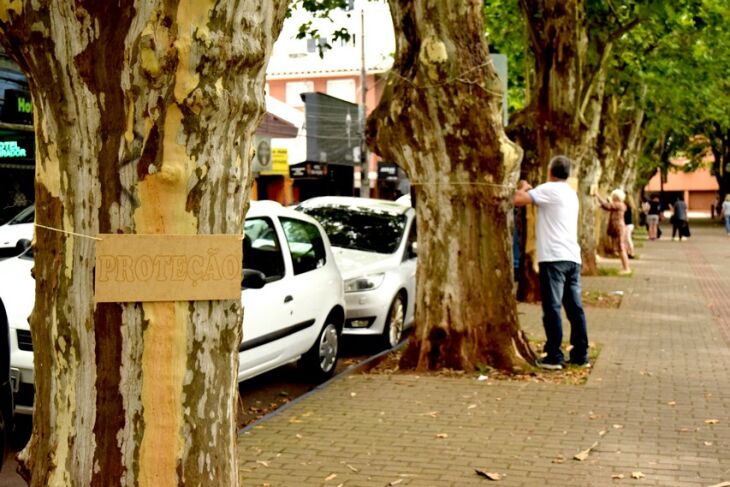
(584, 365)
(548, 365)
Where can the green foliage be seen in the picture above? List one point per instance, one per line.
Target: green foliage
(506, 35)
(321, 9)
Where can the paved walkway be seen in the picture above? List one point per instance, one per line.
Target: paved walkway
(657, 402)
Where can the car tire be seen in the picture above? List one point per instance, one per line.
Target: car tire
(394, 322)
(320, 362)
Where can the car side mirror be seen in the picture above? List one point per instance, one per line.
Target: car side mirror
(413, 250)
(22, 245)
(253, 279)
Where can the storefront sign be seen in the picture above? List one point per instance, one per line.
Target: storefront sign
(279, 162)
(11, 149)
(137, 268)
(387, 171)
(262, 159)
(17, 107)
(16, 146)
(308, 170)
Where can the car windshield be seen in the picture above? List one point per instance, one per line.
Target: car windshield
(360, 228)
(25, 216)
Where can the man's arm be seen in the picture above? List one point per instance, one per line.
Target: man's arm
(521, 197)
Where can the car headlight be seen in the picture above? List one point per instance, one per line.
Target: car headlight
(365, 283)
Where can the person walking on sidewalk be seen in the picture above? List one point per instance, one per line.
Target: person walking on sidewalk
(652, 217)
(680, 224)
(726, 213)
(558, 255)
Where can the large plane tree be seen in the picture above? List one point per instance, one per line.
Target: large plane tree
(144, 113)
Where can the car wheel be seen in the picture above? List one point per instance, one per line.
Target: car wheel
(394, 322)
(320, 361)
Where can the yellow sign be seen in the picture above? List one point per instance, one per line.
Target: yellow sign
(136, 268)
(279, 162)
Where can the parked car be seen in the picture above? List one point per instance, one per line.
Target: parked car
(17, 228)
(293, 295)
(374, 242)
(6, 391)
(17, 292)
(292, 292)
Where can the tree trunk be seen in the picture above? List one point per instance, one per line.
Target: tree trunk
(558, 38)
(144, 113)
(439, 118)
(589, 172)
(522, 130)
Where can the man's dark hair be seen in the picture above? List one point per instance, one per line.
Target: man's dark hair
(559, 167)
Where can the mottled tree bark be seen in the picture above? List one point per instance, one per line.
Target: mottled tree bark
(568, 100)
(523, 130)
(620, 145)
(439, 118)
(144, 113)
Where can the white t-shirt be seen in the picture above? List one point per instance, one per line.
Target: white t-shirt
(726, 208)
(557, 222)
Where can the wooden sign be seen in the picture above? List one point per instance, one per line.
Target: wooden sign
(135, 268)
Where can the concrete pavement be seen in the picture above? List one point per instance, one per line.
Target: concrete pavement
(656, 405)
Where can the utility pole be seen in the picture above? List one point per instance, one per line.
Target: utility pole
(364, 167)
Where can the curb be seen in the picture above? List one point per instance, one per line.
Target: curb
(352, 368)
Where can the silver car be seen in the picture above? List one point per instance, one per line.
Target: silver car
(374, 244)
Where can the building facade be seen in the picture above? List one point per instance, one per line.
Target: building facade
(297, 68)
(17, 141)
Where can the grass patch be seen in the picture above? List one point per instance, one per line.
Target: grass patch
(612, 272)
(602, 299)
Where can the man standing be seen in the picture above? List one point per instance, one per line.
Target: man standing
(558, 255)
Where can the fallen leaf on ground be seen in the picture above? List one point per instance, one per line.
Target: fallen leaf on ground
(559, 459)
(722, 484)
(441, 436)
(471, 406)
(330, 477)
(352, 468)
(262, 462)
(593, 416)
(580, 456)
(433, 414)
(672, 403)
(708, 443)
(488, 475)
(618, 426)
(712, 421)
(617, 476)
(298, 436)
(637, 475)
(353, 394)
(396, 482)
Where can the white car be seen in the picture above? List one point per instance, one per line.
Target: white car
(374, 242)
(292, 295)
(17, 228)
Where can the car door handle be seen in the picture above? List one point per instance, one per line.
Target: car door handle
(288, 299)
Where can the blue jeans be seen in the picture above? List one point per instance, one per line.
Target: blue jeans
(727, 224)
(560, 283)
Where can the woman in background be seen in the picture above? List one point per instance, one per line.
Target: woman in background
(616, 227)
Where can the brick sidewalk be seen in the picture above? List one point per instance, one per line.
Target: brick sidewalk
(657, 401)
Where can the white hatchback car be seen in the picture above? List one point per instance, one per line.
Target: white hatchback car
(374, 242)
(292, 295)
(17, 228)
